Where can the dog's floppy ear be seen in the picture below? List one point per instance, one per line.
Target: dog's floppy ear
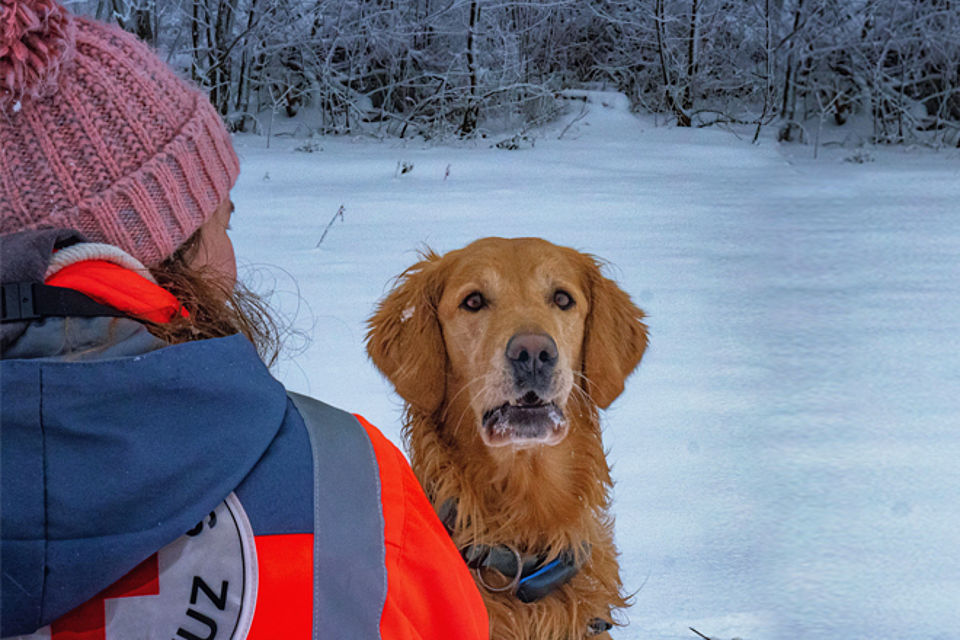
(614, 338)
(404, 338)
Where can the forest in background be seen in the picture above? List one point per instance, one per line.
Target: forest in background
(442, 68)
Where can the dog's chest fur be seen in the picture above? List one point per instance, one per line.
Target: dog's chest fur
(536, 506)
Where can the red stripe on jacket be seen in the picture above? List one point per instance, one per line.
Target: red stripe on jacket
(284, 587)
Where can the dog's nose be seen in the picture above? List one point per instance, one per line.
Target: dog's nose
(532, 356)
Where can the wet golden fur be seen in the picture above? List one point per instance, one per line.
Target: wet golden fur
(446, 363)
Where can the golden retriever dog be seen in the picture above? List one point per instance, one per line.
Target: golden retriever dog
(503, 353)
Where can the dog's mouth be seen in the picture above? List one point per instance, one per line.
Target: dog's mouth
(526, 422)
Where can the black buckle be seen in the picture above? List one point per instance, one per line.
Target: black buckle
(18, 302)
(24, 301)
(548, 578)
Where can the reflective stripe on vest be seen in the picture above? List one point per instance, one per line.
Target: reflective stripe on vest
(350, 574)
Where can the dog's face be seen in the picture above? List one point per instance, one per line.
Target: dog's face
(507, 331)
(512, 317)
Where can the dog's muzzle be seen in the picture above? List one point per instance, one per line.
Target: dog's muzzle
(524, 424)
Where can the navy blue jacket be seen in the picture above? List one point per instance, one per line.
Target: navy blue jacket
(187, 425)
(114, 444)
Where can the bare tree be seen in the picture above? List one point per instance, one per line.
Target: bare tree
(448, 67)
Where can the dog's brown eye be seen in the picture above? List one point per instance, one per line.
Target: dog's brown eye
(474, 302)
(563, 299)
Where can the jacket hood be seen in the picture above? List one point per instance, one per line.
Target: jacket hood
(108, 455)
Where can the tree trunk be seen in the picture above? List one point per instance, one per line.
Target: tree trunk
(143, 25)
(471, 113)
(220, 54)
(243, 80)
(686, 103)
(683, 120)
(195, 41)
(790, 85)
(788, 112)
(768, 69)
(117, 13)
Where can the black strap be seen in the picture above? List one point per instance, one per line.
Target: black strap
(32, 300)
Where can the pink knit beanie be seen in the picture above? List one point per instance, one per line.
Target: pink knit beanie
(97, 134)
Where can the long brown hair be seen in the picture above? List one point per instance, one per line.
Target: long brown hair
(216, 310)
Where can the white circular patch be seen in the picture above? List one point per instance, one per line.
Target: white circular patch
(202, 586)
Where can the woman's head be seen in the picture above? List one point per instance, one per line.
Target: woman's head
(98, 134)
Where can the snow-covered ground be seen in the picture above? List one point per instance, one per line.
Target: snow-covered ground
(787, 457)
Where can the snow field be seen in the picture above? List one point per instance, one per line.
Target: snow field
(785, 456)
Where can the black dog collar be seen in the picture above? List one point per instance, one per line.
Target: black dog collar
(529, 577)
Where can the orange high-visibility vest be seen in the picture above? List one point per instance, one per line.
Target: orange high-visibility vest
(411, 585)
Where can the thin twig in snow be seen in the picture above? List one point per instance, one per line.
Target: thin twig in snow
(338, 214)
(580, 116)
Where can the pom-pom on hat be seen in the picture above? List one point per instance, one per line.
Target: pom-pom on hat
(36, 39)
(97, 134)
